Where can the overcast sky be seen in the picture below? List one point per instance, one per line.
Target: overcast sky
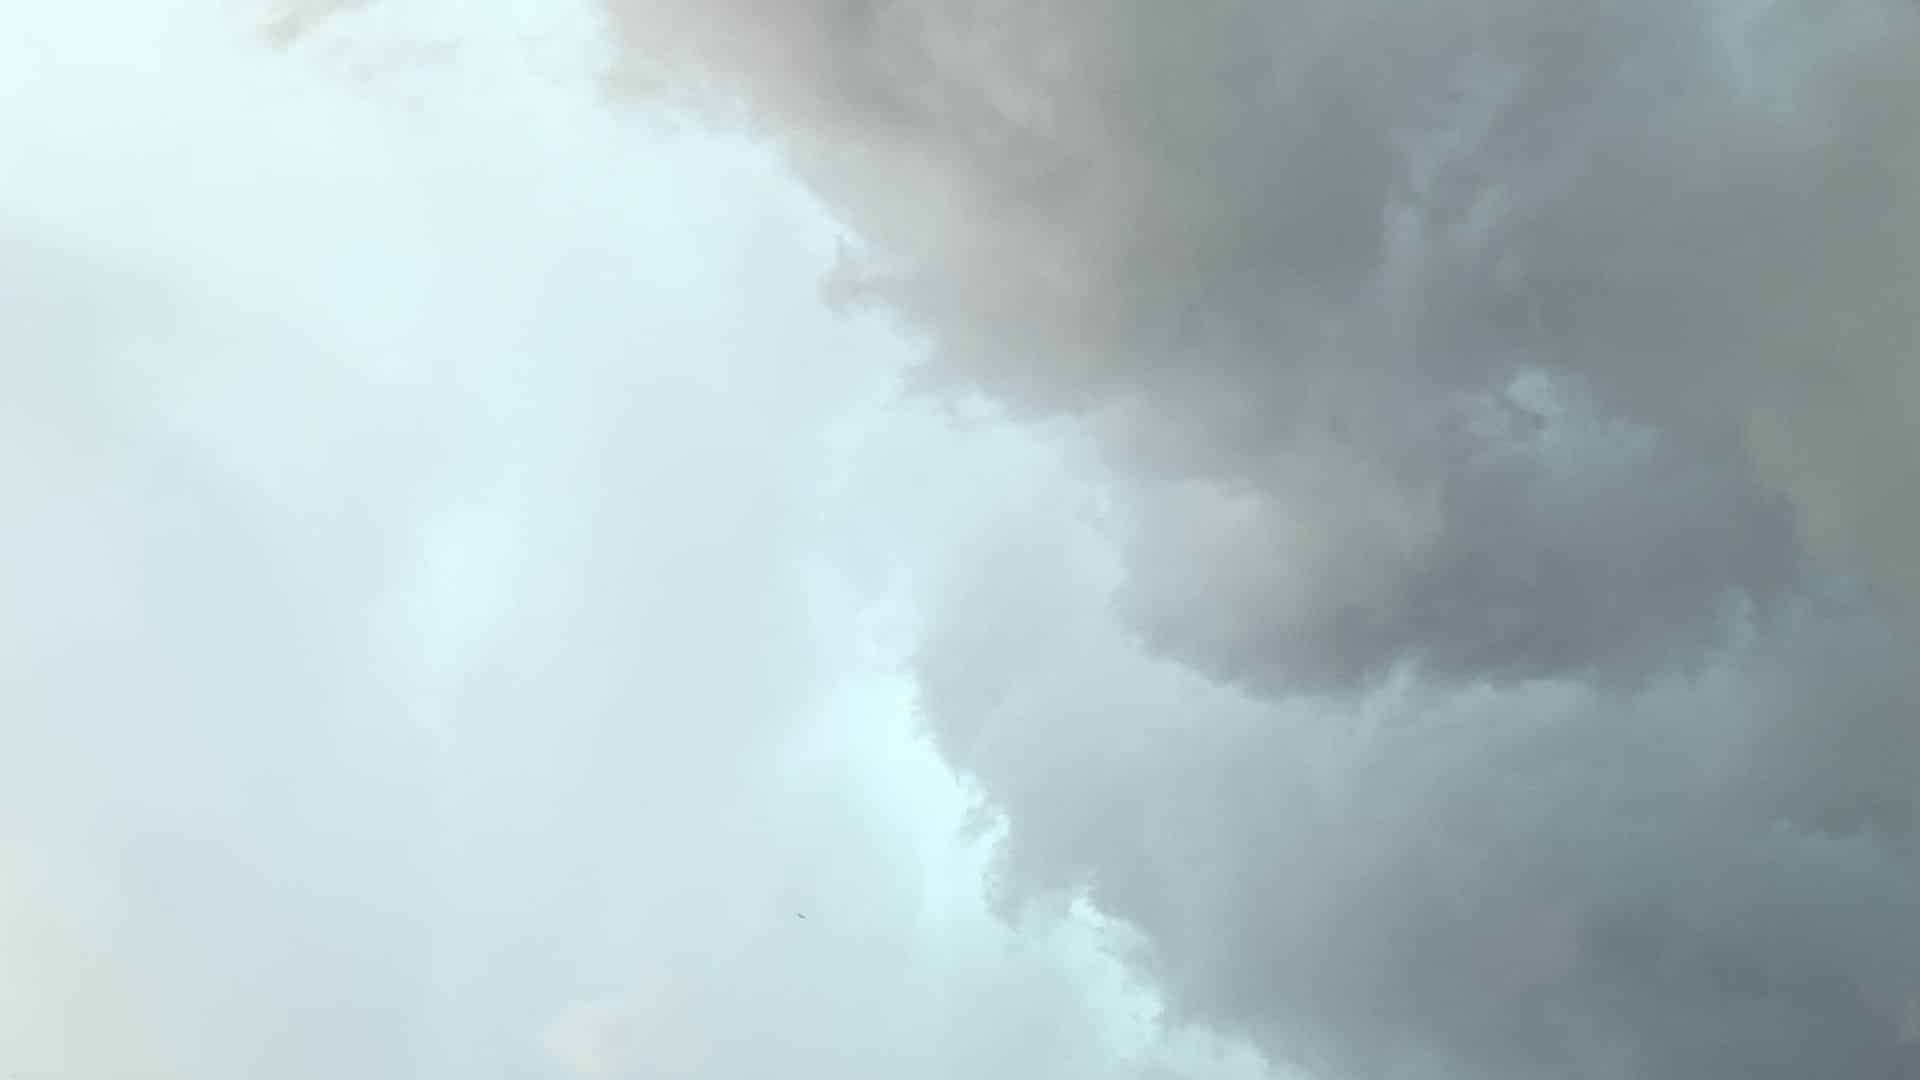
(840, 539)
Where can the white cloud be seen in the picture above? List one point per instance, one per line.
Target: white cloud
(430, 644)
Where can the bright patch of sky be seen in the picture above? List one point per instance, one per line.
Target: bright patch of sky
(458, 581)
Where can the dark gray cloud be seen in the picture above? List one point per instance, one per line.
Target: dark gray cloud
(1264, 244)
(1710, 875)
(1496, 409)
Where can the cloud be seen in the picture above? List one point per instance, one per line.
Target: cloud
(428, 648)
(1448, 625)
(1488, 656)
(1710, 875)
(1260, 243)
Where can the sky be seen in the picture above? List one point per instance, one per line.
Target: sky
(1239, 540)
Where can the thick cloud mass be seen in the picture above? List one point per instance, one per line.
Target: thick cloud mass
(1711, 877)
(1458, 614)
(1298, 258)
(1501, 420)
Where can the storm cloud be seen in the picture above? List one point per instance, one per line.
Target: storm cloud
(1475, 639)
(1398, 545)
(1387, 270)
